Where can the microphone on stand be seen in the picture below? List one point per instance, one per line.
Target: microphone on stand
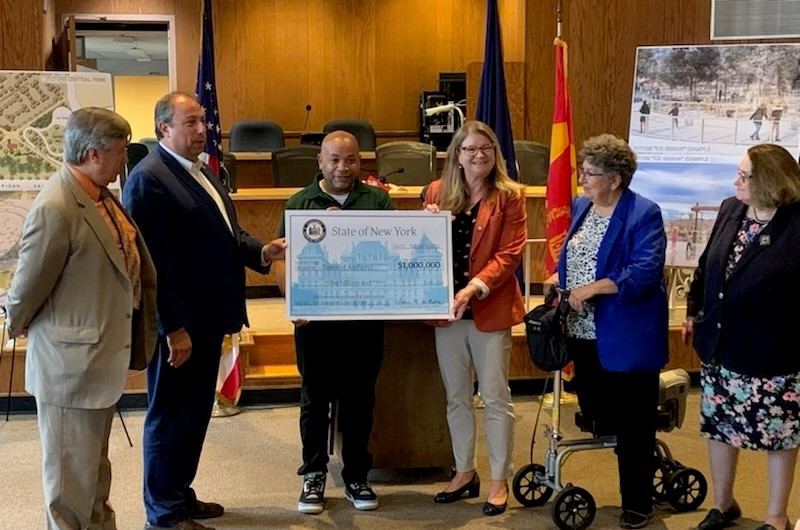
(308, 112)
(398, 171)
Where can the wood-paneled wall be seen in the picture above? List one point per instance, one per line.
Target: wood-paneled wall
(362, 58)
(346, 58)
(371, 58)
(22, 32)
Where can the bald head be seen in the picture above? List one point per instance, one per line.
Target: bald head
(339, 162)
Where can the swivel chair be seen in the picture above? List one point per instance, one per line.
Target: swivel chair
(416, 159)
(295, 165)
(255, 135)
(361, 129)
(533, 159)
(150, 143)
(135, 152)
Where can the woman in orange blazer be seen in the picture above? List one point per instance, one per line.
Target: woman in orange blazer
(488, 238)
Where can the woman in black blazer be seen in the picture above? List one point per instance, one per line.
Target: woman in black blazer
(742, 312)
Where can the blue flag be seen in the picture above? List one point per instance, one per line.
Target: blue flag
(206, 91)
(492, 107)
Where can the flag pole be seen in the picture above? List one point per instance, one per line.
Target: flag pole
(558, 19)
(562, 165)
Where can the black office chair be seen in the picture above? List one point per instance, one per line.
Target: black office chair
(295, 166)
(150, 143)
(228, 171)
(255, 135)
(533, 162)
(136, 152)
(416, 159)
(361, 129)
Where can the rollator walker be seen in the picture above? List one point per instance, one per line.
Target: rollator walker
(574, 508)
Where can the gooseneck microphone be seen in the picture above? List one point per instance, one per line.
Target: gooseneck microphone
(308, 112)
(398, 171)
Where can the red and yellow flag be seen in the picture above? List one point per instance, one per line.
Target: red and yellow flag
(561, 179)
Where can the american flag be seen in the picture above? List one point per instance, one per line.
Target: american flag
(229, 379)
(206, 91)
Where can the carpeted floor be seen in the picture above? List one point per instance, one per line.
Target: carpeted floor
(250, 460)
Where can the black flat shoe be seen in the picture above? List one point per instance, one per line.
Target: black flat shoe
(766, 526)
(717, 520)
(493, 509)
(471, 488)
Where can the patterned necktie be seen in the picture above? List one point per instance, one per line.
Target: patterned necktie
(133, 262)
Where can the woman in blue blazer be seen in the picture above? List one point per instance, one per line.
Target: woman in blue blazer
(612, 262)
(742, 314)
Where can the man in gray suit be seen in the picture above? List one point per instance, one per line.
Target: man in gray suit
(84, 293)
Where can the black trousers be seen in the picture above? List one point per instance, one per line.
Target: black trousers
(348, 378)
(623, 404)
(179, 409)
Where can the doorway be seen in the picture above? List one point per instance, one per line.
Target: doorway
(139, 53)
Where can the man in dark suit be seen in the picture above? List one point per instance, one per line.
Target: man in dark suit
(189, 224)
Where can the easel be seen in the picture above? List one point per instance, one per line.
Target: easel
(13, 352)
(4, 314)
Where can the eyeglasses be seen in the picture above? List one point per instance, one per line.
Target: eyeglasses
(473, 151)
(743, 176)
(584, 173)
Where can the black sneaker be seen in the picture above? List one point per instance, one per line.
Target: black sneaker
(361, 495)
(630, 519)
(312, 498)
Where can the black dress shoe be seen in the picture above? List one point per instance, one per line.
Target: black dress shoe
(206, 510)
(471, 488)
(494, 509)
(717, 520)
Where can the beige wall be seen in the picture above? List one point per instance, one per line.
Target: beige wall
(135, 98)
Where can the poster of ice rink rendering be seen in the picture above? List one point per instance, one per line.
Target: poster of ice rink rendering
(695, 111)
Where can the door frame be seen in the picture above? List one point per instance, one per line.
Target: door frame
(171, 41)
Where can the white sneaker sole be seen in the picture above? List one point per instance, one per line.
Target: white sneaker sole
(362, 505)
(310, 508)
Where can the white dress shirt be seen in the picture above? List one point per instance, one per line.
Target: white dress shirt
(194, 170)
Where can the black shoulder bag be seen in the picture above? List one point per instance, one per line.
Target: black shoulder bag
(545, 326)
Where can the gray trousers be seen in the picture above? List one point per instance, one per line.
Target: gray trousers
(460, 348)
(76, 472)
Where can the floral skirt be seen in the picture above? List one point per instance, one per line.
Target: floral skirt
(750, 412)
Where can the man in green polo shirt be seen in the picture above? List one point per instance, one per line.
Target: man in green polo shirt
(349, 377)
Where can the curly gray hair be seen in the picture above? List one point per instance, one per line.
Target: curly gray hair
(611, 154)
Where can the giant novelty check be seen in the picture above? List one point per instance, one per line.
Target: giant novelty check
(368, 265)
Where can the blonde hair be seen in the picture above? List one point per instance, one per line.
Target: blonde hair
(453, 193)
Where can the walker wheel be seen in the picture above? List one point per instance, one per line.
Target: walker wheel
(527, 487)
(686, 489)
(659, 486)
(573, 509)
(663, 469)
